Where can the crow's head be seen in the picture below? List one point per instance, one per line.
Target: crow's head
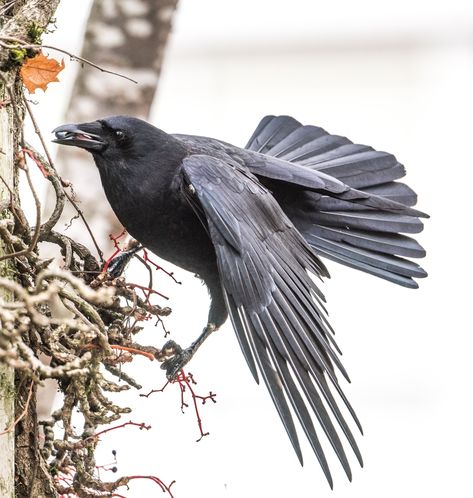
(108, 137)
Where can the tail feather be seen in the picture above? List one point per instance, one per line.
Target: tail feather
(270, 132)
(367, 220)
(296, 139)
(388, 243)
(320, 145)
(363, 169)
(366, 237)
(346, 150)
(377, 259)
(372, 270)
(394, 191)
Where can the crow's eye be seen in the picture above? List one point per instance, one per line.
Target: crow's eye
(119, 135)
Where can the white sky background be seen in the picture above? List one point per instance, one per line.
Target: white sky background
(398, 76)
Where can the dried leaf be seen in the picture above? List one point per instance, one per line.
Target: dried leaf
(39, 71)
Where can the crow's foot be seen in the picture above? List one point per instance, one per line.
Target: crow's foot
(170, 349)
(174, 364)
(175, 358)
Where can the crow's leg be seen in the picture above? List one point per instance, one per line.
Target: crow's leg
(217, 316)
(180, 357)
(118, 264)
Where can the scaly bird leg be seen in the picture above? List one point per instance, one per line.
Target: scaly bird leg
(180, 357)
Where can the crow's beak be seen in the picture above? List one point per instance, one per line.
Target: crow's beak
(84, 135)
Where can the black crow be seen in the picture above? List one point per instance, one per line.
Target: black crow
(252, 223)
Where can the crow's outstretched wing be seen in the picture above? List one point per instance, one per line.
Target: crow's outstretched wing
(348, 205)
(275, 307)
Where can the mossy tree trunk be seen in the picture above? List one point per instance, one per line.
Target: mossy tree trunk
(20, 463)
(7, 382)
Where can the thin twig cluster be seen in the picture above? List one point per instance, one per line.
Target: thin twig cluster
(186, 381)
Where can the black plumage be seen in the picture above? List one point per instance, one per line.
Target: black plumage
(251, 223)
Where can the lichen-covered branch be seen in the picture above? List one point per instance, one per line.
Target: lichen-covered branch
(82, 330)
(26, 19)
(98, 331)
(61, 318)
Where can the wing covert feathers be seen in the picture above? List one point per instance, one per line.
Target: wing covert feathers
(332, 198)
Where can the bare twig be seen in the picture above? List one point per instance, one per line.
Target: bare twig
(51, 175)
(51, 165)
(34, 239)
(22, 414)
(18, 43)
(126, 348)
(185, 382)
(141, 426)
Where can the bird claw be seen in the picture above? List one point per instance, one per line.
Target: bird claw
(178, 361)
(169, 349)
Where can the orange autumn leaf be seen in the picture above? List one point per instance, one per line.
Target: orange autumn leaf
(39, 71)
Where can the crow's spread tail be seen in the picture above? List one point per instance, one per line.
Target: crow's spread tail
(370, 240)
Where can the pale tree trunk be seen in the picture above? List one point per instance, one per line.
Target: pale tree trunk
(129, 37)
(7, 378)
(27, 479)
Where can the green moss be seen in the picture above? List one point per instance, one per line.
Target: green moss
(16, 57)
(34, 33)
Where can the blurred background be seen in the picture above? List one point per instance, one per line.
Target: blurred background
(394, 75)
